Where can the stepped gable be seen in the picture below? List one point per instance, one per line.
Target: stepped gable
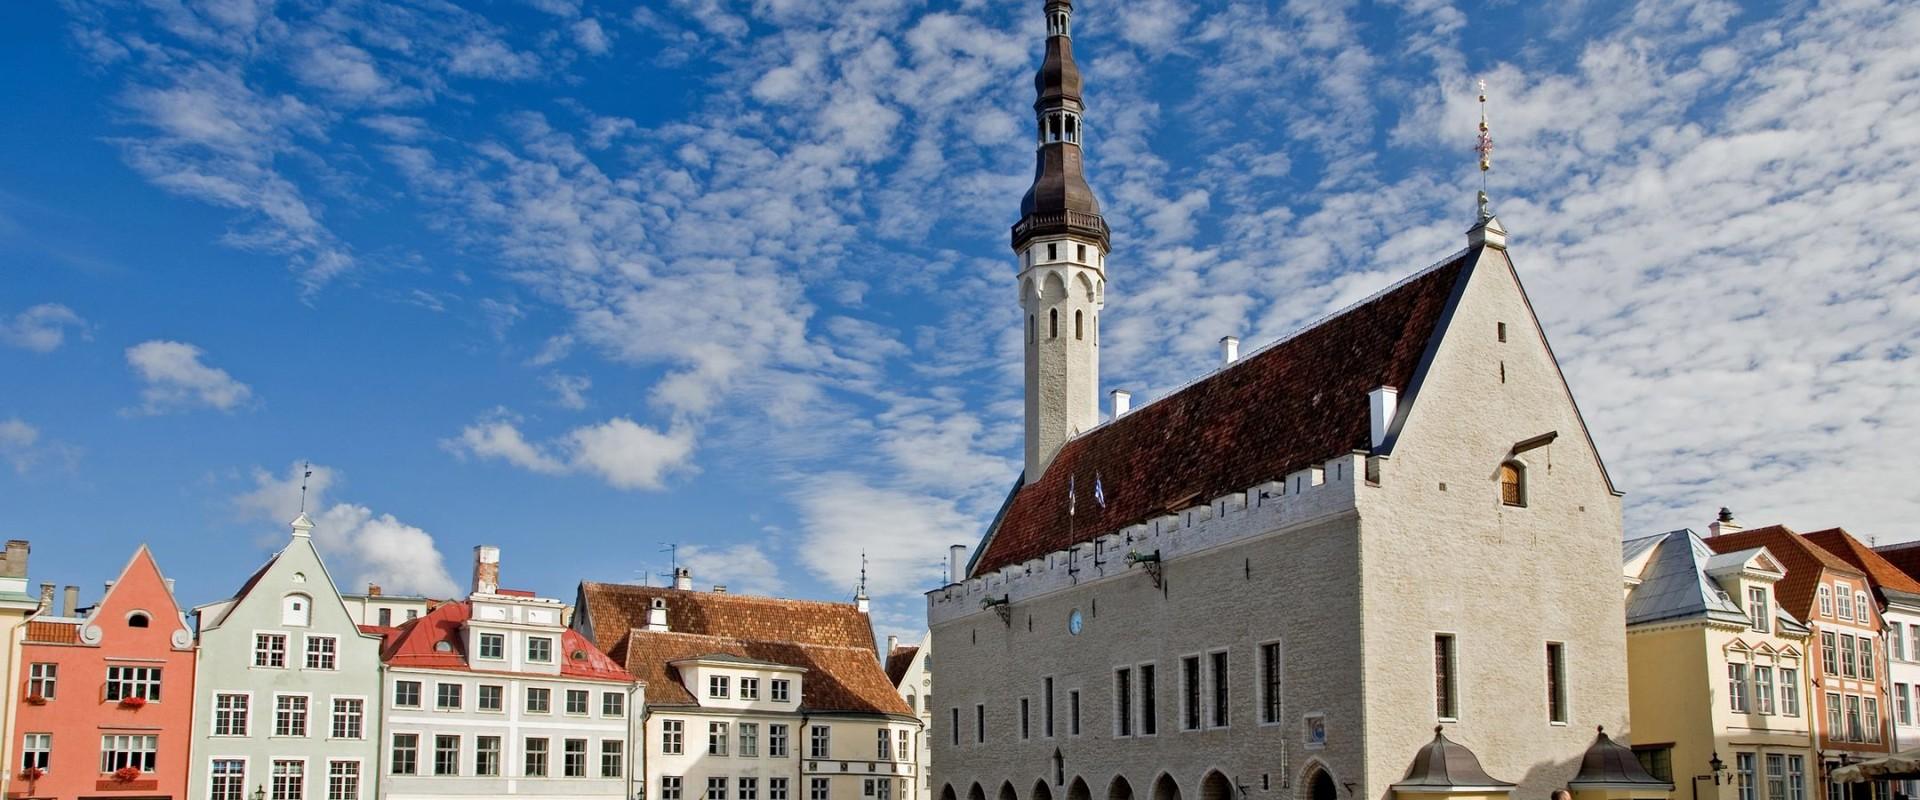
(1801, 559)
(833, 642)
(1292, 405)
(417, 644)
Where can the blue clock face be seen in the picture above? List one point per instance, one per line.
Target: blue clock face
(1073, 622)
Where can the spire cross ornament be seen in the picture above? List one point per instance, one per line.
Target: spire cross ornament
(306, 470)
(1484, 146)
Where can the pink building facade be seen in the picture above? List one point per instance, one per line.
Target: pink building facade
(105, 695)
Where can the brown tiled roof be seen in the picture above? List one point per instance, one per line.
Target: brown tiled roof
(1880, 573)
(1803, 560)
(1904, 557)
(417, 644)
(898, 661)
(44, 632)
(1295, 404)
(832, 641)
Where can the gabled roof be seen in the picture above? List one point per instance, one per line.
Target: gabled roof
(1880, 572)
(833, 642)
(434, 641)
(1674, 583)
(1904, 556)
(1802, 560)
(898, 661)
(1294, 404)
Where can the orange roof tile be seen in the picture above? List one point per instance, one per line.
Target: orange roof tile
(418, 644)
(898, 661)
(1880, 572)
(1803, 561)
(45, 632)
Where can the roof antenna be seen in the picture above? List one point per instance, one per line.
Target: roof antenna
(672, 549)
(306, 469)
(863, 573)
(1484, 146)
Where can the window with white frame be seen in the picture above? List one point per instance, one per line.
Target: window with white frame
(717, 738)
(1762, 689)
(1870, 717)
(1790, 691)
(820, 742)
(673, 734)
(782, 690)
(776, 789)
(1758, 609)
(577, 701)
(1848, 666)
(1829, 654)
(1843, 596)
(41, 679)
(1896, 642)
(749, 739)
(1737, 687)
(343, 780)
(1836, 724)
(670, 787)
(749, 788)
(900, 749)
(229, 779)
(486, 756)
(534, 765)
(1796, 778)
(1826, 601)
(776, 740)
(270, 650)
(1743, 776)
(446, 755)
(119, 751)
(1862, 610)
(612, 758)
(883, 748)
(749, 688)
(817, 789)
(289, 779)
(717, 788)
(1902, 708)
(1776, 776)
(573, 758)
(406, 694)
(405, 759)
(613, 704)
(349, 717)
(539, 700)
(1855, 730)
(491, 697)
(230, 711)
(717, 686)
(539, 649)
(141, 682)
(290, 715)
(493, 646)
(448, 696)
(322, 652)
(1867, 661)
(36, 751)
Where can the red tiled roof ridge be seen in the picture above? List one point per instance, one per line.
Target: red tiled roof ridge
(1850, 549)
(726, 595)
(415, 644)
(1773, 533)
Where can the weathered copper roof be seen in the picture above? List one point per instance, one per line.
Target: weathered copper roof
(1445, 766)
(1611, 765)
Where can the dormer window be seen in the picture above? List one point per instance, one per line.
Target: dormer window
(717, 686)
(1844, 595)
(1758, 609)
(1513, 484)
(1862, 607)
(1826, 602)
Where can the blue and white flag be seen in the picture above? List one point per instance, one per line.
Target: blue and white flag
(1099, 494)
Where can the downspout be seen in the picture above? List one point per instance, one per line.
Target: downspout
(16, 651)
(799, 764)
(380, 730)
(636, 744)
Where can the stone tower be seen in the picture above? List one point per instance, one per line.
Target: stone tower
(1061, 241)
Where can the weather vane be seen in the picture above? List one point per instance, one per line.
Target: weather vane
(306, 469)
(1484, 146)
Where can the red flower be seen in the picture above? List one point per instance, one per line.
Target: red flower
(33, 773)
(36, 699)
(126, 774)
(132, 701)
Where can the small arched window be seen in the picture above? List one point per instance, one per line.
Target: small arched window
(1053, 323)
(1077, 334)
(1513, 484)
(296, 609)
(138, 619)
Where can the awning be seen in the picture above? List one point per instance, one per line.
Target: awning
(1899, 766)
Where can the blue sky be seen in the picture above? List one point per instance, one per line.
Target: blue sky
(580, 279)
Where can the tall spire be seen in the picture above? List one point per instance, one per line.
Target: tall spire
(1486, 230)
(1059, 200)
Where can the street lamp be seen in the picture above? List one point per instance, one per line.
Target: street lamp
(1715, 767)
(260, 792)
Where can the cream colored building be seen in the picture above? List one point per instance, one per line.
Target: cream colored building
(909, 667)
(755, 698)
(16, 607)
(1382, 542)
(1718, 670)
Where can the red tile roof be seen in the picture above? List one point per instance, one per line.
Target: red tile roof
(898, 661)
(1803, 560)
(1880, 573)
(418, 644)
(832, 641)
(1297, 403)
(44, 632)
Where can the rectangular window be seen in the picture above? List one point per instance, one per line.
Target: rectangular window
(539, 649)
(539, 701)
(1073, 712)
(289, 779)
(749, 788)
(270, 650)
(536, 760)
(1218, 673)
(117, 751)
(716, 738)
(323, 652)
(1190, 697)
(1763, 689)
(290, 715)
(1855, 731)
(229, 780)
(349, 717)
(1758, 609)
(1848, 666)
(406, 754)
(41, 679)
(1026, 729)
(448, 696)
(1149, 713)
(900, 746)
(670, 787)
(1270, 683)
(1826, 601)
(343, 780)
(406, 694)
(953, 724)
(612, 758)
(573, 758)
(777, 740)
(717, 788)
(749, 739)
(820, 742)
(817, 789)
(717, 686)
(1866, 658)
(1871, 713)
(1123, 701)
(141, 682)
(386, 617)
(230, 714)
(1445, 705)
(1836, 727)
(1896, 642)
(776, 789)
(1902, 709)
(1796, 778)
(613, 704)
(749, 690)
(672, 737)
(1776, 776)
(493, 646)
(1790, 691)
(1844, 594)
(782, 690)
(37, 752)
(446, 755)
(1828, 656)
(486, 756)
(1657, 761)
(980, 723)
(1737, 687)
(1743, 777)
(577, 701)
(1046, 707)
(491, 697)
(1556, 682)
(883, 748)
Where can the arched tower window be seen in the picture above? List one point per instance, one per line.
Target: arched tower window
(1057, 24)
(1053, 323)
(1077, 333)
(1513, 484)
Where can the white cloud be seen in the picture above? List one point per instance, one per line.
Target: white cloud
(622, 453)
(742, 568)
(175, 379)
(591, 37)
(570, 391)
(361, 546)
(42, 328)
(904, 534)
(22, 447)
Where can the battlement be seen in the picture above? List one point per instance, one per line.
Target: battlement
(1304, 496)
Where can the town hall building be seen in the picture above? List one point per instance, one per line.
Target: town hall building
(1377, 558)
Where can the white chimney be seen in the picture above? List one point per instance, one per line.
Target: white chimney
(657, 615)
(1383, 403)
(486, 569)
(1122, 402)
(893, 643)
(683, 578)
(957, 564)
(861, 602)
(1229, 350)
(1723, 525)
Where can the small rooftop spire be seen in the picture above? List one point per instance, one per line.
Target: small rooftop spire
(1486, 231)
(306, 472)
(860, 595)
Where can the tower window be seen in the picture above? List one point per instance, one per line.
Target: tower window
(1053, 251)
(1030, 329)
(1513, 484)
(1076, 326)
(1081, 254)
(1053, 323)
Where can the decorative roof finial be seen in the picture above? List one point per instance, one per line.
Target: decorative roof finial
(306, 470)
(1484, 146)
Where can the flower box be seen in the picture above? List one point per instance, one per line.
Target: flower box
(126, 774)
(36, 699)
(32, 774)
(133, 701)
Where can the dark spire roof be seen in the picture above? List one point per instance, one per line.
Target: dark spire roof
(1445, 766)
(1059, 200)
(1610, 765)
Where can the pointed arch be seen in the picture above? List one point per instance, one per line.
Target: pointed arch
(1119, 789)
(1085, 284)
(1215, 786)
(1165, 788)
(976, 793)
(1007, 792)
(1316, 782)
(1041, 791)
(946, 792)
(1028, 291)
(1078, 789)
(1054, 287)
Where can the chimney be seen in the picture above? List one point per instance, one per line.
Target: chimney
(719, 588)
(957, 564)
(1382, 404)
(862, 603)
(1229, 350)
(657, 615)
(46, 599)
(70, 600)
(683, 578)
(14, 563)
(1723, 525)
(373, 589)
(169, 587)
(486, 569)
(893, 643)
(1122, 402)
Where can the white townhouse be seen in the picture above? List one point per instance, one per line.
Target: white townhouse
(494, 695)
(284, 687)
